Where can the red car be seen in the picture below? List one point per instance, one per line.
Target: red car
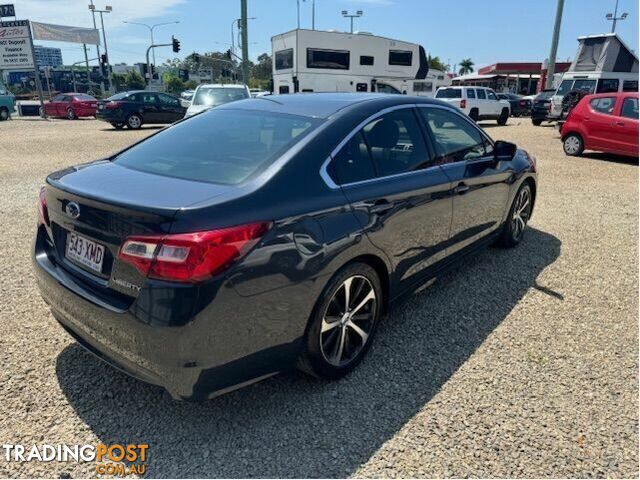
(606, 122)
(71, 106)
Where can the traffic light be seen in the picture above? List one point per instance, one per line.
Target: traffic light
(228, 54)
(104, 58)
(176, 44)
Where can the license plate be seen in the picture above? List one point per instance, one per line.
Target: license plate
(85, 252)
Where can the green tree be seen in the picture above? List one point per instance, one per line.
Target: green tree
(134, 80)
(466, 66)
(174, 84)
(436, 64)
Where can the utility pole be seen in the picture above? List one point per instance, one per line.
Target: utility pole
(313, 14)
(86, 60)
(93, 16)
(245, 41)
(554, 45)
(298, 7)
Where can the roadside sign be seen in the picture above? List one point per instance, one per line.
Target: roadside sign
(7, 10)
(16, 50)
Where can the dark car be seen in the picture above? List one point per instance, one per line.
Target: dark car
(136, 108)
(270, 233)
(541, 106)
(520, 107)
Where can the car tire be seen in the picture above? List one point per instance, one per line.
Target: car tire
(537, 123)
(335, 341)
(473, 114)
(519, 214)
(71, 114)
(573, 145)
(504, 116)
(134, 121)
(118, 126)
(4, 114)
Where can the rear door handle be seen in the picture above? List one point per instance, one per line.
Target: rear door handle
(381, 206)
(461, 189)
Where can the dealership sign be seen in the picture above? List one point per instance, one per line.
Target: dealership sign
(63, 33)
(16, 51)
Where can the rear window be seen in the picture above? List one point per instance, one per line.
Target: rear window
(83, 97)
(119, 96)
(219, 146)
(211, 96)
(449, 93)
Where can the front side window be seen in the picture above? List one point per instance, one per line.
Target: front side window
(456, 139)
(168, 100)
(491, 95)
(564, 88)
(395, 143)
(585, 85)
(57, 98)
(482, 95)
(329, 59)
(219, 146)
(400, 57)
(630, 108)
(603, 105)
(352, 163)
(607, 85)
(284, 59)
(630, 86)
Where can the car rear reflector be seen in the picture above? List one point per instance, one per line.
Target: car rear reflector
(113, 105)
(463, 103)
(43, 212)
(191, 257)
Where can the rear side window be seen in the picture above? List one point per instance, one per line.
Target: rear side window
(400, 57)
(219, 146)
(456, 139)
(607, 85)
(603, 105)
(471, 93)
(482, 95)
(585, 85)
(329, 59)
(630, 108)
(630, 86)
(352, 163)
(284, 59)
(449, 93)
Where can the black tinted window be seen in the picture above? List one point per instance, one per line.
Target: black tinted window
(352, 163)
(455, 137)
(481, 94)
(585, 85)
(603, 105)
(331, 59)
(168, 100)
(284, 59)
(630, 86)
(449, 93)
(630, 108)
(400, 57)
(395, 142)
(218, 146)
(471, 93)
(491, 95)
(607, 85)
(366, 60)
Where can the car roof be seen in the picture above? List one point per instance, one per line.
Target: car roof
(612, 94)
(322, 105)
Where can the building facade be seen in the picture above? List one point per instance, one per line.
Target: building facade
(48, 56)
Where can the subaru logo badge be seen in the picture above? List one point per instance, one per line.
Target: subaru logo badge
(72, 209)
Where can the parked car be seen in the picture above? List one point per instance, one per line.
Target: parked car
(7, 103)
(258, 92)
(186, 97)
(136, 108)
(263, 235)
(541, 106)
(519, 106)
(71, 106)
(214, 94)
(480, 103)
(606, 122)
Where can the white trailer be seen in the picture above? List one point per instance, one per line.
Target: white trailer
(328, 61)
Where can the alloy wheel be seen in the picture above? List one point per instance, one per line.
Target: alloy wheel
(348, 321)
(521, 213)
(134, 121)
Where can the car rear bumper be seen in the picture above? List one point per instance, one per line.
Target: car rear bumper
(111, 116)
(215, 348)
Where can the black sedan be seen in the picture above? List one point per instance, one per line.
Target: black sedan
(541, 106)
(134, 109)
(270, 233)
(520, 106)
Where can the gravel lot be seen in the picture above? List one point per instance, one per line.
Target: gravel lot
(519, 363)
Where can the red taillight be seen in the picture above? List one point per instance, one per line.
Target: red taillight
(463, 103)
(522, 103)
(113, 105)
(43, 213)
(191, 257)
(549, 107)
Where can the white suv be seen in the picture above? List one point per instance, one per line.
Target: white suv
(480, 103)
(214, 94)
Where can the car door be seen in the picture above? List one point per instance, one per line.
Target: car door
(170, 107)
(626, 124)
(400, 197)
(494, 105)
(483, 107)
(480, 184)
(62, 105)
(51, 107)
(598, 122)
(150, 107)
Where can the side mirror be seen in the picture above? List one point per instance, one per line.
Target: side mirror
(503, 149)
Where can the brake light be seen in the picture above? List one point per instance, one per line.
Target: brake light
(191, 257)
(522, 103)
(43, 212)
(463, 103)
(113, 105)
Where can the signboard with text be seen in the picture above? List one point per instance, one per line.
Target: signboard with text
(7, 10)
(16, 51)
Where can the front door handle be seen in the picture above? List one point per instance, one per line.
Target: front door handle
(621, 124)
(461, 189)
(381, 206)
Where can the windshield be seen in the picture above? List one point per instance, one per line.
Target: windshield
(449, 93)
(211, 96)
(564, 88)
(546, 95)
(218, 146)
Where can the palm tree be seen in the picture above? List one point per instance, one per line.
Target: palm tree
(435, 63)
(466, 66)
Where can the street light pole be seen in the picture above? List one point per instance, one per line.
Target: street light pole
(615, 17)
(107, 9)
(151, 27)
(351, 16)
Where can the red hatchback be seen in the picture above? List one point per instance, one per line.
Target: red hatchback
(606, 122)
(71, 106)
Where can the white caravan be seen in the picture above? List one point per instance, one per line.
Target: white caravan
(603, 64)
(327, 61)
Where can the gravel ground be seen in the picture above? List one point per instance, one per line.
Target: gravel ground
(520, 363)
